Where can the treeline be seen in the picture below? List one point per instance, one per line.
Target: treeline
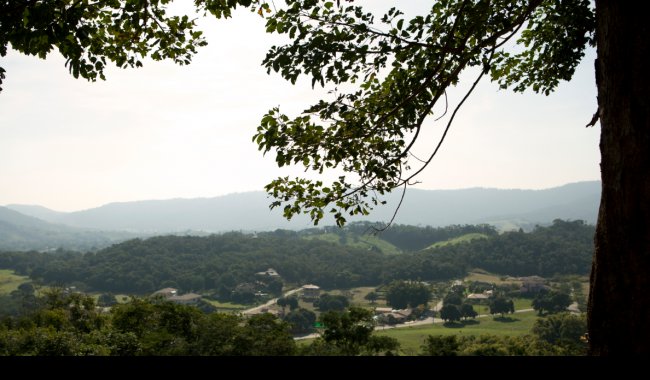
(217, 262)
(565, 247)
(220, 263)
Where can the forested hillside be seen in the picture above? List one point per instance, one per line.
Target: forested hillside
(219, 263)
(399, 237)
(413, 238)
(563, 247)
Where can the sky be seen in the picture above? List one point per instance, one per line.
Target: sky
(166, 131)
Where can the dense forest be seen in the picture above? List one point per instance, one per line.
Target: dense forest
(216, 265)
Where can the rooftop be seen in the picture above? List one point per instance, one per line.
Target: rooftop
(269, 272)
(165, 291)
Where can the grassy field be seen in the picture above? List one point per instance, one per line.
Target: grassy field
(358, 299)
(460, 239)
(364, 242)
(122, 298)
(307, 305)
(226, 306)
(520, 304)
(585, 288)
(523, 303)
(10, 281)
(411, 338)
(488, 277)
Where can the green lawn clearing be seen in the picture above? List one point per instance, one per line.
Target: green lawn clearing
(9, 281)
(226, 306)
(482, 276)
(460, 239)
(411, 338)
(364, 242)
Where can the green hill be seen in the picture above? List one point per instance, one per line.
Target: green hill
(370, 242)
(460, 239)
(219, 264)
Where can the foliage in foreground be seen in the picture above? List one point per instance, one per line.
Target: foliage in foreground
(72, 325)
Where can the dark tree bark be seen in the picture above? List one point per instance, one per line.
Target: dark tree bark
(619, 301)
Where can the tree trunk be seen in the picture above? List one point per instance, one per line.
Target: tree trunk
(619, 300)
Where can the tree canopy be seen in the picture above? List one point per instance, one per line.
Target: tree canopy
(402, 294)
(551, 302)
(500, 305)
(401, 69)
(351, 333)
(89, 34)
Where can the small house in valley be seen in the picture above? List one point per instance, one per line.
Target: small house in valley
(533, 284)
(383, 310)
(269, 272)
(166, 292)
(310, 291)
(392, 316)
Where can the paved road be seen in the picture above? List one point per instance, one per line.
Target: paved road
(258, 309)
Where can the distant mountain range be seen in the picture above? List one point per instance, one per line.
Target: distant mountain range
(506, 209)
(22, 232)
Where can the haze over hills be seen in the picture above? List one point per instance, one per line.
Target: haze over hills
(511, 208)
(36, 211)
(22, 232)
(506, 209)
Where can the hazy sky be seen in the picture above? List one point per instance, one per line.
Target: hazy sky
(166, 131)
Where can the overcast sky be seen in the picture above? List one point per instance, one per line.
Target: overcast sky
(166, 131)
